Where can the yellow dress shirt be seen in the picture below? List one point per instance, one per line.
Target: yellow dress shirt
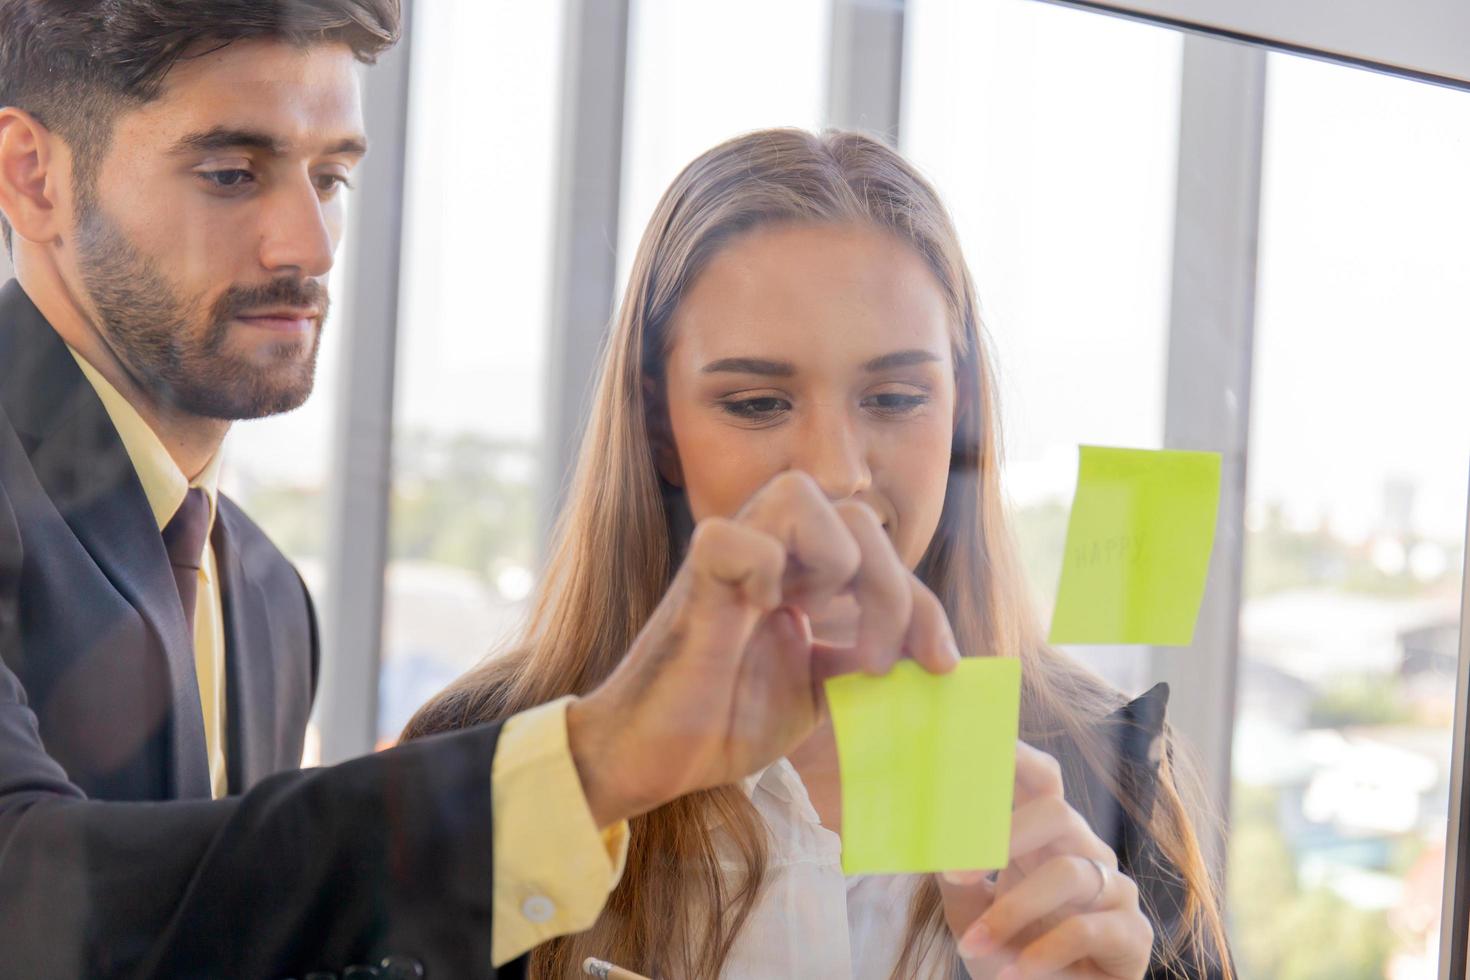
(553, 867)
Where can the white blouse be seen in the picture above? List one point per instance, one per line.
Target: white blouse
(811, 921)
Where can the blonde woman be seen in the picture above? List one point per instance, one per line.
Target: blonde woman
(799, 304)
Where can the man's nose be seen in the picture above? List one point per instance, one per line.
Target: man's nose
(297, 235)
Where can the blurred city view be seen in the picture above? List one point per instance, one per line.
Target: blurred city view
(1053, 136)
(1344, 706)
(462, 549)
(1344, 701)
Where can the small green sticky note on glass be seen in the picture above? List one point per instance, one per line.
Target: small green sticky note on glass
(1138, 547)
(928, 766)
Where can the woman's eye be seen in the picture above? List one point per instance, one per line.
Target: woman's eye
(895, 403)
(228, 179)
(756, 408)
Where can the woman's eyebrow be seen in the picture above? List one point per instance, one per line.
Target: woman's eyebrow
(902, 358)
(750, 365)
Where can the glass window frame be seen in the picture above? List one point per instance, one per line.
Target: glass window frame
(365, 398)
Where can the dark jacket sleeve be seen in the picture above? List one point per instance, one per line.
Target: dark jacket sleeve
(388, 855)
(1135, 736)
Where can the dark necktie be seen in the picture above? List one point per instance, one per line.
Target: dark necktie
(183, 538)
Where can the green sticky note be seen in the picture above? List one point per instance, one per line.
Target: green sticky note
(928, 766)
(1138, 547)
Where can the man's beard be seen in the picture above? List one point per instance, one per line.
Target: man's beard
(157, 334)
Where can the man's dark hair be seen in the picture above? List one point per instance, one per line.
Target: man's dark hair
(75, 64)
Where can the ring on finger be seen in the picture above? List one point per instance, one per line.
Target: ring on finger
(1102, 880)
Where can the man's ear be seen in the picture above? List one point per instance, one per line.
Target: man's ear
(33, 170)
(661, 435)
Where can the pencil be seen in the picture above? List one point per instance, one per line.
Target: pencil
(594, 967)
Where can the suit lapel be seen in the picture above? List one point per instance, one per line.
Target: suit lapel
(249, 681)
(80, 461)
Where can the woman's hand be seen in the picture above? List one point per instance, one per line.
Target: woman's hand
(724, 679)
(1061, 908)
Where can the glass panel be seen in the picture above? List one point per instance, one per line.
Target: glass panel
(1360, 432)
(286, 493)
(468, 416)
(1052, 135)
(691, 85)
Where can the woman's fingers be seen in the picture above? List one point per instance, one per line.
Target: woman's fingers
(965, 896)
(1063, 884)
(1044, 824)
(1113, 943)
(1037, 774)
(1061, 904)
(1048, 826)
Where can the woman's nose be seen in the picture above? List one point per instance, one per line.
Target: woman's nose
(836, 456)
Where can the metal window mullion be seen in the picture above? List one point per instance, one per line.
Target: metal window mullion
(588, 196)
(865, 69)
(1207, 404)
(361, 474)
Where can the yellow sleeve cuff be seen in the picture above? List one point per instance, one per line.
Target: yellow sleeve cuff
(553, 867)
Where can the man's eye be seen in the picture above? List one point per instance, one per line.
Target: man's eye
(228, 179)
(331, 183)
(756, 408)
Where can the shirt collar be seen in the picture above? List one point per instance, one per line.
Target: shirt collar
(781, 781)
(164, 484)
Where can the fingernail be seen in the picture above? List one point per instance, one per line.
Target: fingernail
(799, 623)
(789, 623)
(976, 942)
(963, 877)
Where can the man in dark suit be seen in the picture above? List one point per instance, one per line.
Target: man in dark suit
(170, 175)
(103, 624)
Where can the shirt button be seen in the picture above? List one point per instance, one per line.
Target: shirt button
(538, 908)
(400, 968)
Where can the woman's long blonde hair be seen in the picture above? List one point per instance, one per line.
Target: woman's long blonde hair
(619, 540)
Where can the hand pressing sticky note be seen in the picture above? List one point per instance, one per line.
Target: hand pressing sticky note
(1138, 547)
(928, 766)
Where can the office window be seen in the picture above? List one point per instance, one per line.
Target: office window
(1360, 443)
(286, 490)
(699, 73)
(1051, 134)
(278, 468)
(472, 328)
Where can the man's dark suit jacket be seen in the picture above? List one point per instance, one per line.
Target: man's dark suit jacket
(114, 861)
